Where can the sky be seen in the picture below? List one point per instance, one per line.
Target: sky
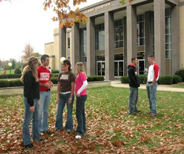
(23, 22)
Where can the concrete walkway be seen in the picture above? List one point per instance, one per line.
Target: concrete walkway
(143, 86)
(116, 83)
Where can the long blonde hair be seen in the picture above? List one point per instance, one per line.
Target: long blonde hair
(80, 67)
(30, 67)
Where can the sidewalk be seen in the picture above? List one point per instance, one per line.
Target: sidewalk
(116, 83)
(143, 86)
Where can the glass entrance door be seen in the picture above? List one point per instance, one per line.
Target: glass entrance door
(118, 68)
(100, 68)
(141, 66)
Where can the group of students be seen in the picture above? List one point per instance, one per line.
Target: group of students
(37, 86)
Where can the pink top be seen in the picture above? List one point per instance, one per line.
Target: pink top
(79, 82)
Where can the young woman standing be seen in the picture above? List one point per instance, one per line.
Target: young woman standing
(81, 84)
(65, 95)
(31, 97)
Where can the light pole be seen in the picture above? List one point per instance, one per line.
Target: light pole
(10, 65)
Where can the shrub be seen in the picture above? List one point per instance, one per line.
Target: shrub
(54, 75)
(167, 79)
(54, 80)
(180, 73)
(124, 79)
(10, 76)
(176, 79)
(54, 71)
(4, 83)
(90, 78)
(98, 78)
(15, 83)
(17, 71)
(141, 78)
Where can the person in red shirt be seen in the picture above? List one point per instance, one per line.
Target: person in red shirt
(44, 77)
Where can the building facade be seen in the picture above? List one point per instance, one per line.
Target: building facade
(115, 33)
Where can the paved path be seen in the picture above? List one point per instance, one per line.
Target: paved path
(143, 86)
(116, 83)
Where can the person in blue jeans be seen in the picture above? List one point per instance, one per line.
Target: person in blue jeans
(152, 83)
(80, 91)
(31, 102)
(65, 96)
(44, 77)
(133, 84)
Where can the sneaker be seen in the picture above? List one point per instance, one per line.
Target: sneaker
(68, 131)
(41, 140)
(152, 115)
(137, 111)
(78, 136)
(134, 113)
(28, 146)
(47, 132)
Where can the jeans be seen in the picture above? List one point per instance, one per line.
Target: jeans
(152, 91)
(59, 118)
(27, 119)
(43, 110)
(80, 114)
(133, 99)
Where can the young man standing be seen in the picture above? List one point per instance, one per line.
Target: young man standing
(153, 76)
(44, 77)
(134, 84)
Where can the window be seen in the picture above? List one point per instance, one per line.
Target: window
(83, 45)
(140, 30)
(118, 33)
(100, 37)
(168, 42)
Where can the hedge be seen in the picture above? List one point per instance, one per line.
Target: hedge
(167, 79)
(176, 79)
(8, 76)
(180, 73)
(54, 71)
(124, 79)
(12, 83)
(15, 83)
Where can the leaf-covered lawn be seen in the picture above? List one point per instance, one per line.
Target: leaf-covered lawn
(109, 127)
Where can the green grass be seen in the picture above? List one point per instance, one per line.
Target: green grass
(7, 71)
(179, 85)
(108, 123)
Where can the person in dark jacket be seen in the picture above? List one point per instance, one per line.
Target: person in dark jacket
(134, 84)
(31, 101)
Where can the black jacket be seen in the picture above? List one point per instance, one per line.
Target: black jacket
(31, 88)
(133, 76)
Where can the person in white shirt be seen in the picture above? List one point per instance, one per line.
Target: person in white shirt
(152, 82)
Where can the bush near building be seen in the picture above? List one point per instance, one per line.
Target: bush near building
(17, 71)
(16, 83)
(180, 73)
(167, 79)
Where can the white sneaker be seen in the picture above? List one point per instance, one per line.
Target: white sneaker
(78, 136)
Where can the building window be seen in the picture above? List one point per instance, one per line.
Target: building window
(141, 30)
(83, 45)
(118, 33)
(100, 37)
(168, 42)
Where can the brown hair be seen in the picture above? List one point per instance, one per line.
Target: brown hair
(151, 56)
(30, 67)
